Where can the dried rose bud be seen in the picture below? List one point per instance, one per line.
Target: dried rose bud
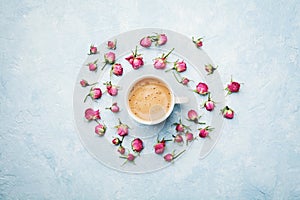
(161, 39)
(171, 156)
(91, 114)
(95, 93)
(136, 60)
(168, 157)
(209, 104)
(112, 44)
(180, 127)
(93, 66)
(130, 157)
(189, 137)
(93, 49)
(185, 81)
(161, 62)
(227, 112)
(117, 69)
(159, 148)
(146, 42)
(110, 57)
(233, 87)
(204, 132)
(100, 129)
(193, 116)
(201, 89)
(84, 83)
(210, 69)
(116, 141)
(122, 129)
(112, 90)
(180, 66)
(178, 138)
(198, 42)
(114, 108)
(137, 145)
(121, 149)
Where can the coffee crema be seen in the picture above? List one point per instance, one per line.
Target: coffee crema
(149, 99)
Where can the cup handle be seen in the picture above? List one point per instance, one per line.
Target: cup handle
(181, 100)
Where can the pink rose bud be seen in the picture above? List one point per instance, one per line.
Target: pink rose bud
(122, 129)
(233, 87)
(116, 141)
(121, 150)
(204, 132)
(210, 69)
(161, 62)
(171, 156)
(112, 44)
(136, 60)
(110, 57)
(209, 104)
(117, 69)
(130, 157)
(137, 145)
(202, 89)
(193, 116)
(100, 129)
(168, 157)
(198, 42)
(93, 49)
(161, 39)
(114, 108)
(180, 66)
(91, 114)
(189, 137)
(112, 90)
(185, 81)
(92, 66)
(159, 148)
(130, 59)
(146, 42)
(180, 127)
(84, 83)
(227, 112)
(95, 93)
(178, 138)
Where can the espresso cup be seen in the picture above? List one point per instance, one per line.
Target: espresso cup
(150, 100)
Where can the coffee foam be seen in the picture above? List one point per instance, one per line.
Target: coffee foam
(149, 99)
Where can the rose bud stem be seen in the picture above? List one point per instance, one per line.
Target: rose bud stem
(103, 66)
(176, 77)
(176, 156)
(85, 98)
(168, 53)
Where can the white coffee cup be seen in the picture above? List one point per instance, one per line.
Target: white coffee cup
(150, 100)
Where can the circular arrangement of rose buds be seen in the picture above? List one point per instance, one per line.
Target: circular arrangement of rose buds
(182, 132)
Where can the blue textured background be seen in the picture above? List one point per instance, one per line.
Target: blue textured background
(44, 43)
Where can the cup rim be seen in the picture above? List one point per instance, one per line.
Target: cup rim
(152, 122)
